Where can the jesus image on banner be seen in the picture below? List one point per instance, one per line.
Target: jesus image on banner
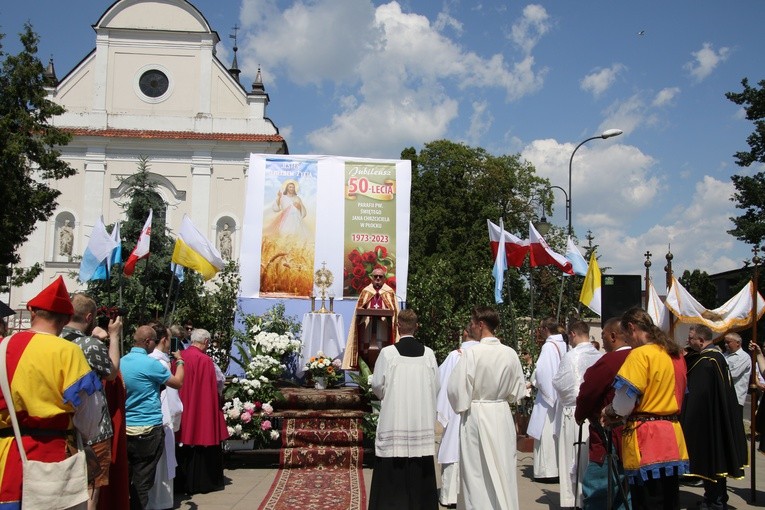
(289, 218)
(290, 213)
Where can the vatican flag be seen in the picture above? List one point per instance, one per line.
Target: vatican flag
(590, 294)
(195, 251)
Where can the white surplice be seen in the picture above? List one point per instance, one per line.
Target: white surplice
(161, 494)
(487, 378)
(449, 452)
(566, 383)
(407, 422)
(542, 421)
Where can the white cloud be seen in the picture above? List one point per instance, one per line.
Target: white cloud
(705, 61)
(697, 233)
(601, 80)
(527, 31)
(611, 182)
(626, 115)
(665, 96)
(382, 127)
(291, 42)
(480, 122)
(445, 20)
(391, 70)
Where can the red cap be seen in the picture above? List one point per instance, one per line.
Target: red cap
(53, 298)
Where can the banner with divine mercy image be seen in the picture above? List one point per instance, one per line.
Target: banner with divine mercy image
(303, 213)
(289, 228)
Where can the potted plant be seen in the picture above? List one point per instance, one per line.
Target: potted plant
(325, 372)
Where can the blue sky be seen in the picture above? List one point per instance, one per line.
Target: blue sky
(360, 78)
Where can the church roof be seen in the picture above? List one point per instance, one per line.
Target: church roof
(174, 135)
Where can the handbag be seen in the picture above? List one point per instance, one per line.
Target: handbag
(48, 485)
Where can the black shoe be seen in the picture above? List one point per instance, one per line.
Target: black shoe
(550, 480)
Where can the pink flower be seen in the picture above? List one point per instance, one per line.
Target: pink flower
(265, 425)
(268, 409)
(246, 417)
(233, 414)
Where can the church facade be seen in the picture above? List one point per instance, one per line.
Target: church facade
(152, 88)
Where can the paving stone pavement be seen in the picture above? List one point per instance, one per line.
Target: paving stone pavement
(248, 479)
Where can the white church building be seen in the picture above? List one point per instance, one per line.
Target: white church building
(152, 87)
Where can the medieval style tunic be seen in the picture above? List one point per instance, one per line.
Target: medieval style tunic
(541, 423)
(486, 380)
(595, 393)
(653, 444)
(50, 380)
(566, 383)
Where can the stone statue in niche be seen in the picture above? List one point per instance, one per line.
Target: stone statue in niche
(224, 242)
(65, 239)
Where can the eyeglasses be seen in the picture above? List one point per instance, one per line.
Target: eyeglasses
(376, 276)
(189, 328)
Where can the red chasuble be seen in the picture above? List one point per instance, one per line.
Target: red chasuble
(202, 421)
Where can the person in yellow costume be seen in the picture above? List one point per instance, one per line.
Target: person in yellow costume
(650, 387)
(54, 391)
(375, 295)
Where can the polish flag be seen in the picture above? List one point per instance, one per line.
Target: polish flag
(515, 248)
(542, 254)
(141, 250)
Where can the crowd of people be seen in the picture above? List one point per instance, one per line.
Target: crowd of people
(620, 429)
(150, 422)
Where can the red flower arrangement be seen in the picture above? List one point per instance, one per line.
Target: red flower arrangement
(360, 264)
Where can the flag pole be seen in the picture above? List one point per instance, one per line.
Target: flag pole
(175, 299)
(512, 315)
(560, 298)
(145, 288)
(169, 293)
(752, 383)
(668, 269)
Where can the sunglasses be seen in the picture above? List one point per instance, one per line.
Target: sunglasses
(377, 276)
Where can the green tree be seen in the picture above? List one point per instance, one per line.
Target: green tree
(455, 188)
(750, 190)
(700, 286)
(29, 160)
(145, 293)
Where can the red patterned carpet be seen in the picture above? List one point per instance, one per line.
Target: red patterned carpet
(320, 465)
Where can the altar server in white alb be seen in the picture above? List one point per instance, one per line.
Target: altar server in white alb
(566, 382)
(449, 451)
(542, 421)
(485, 380)
(406, 381)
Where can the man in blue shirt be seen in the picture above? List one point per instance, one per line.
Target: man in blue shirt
(144, 376)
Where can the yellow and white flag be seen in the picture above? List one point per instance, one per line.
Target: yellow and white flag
(590, 294)
(656, 309)
(736, 313)
(195, 251)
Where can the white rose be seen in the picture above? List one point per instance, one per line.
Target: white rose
(274, 434)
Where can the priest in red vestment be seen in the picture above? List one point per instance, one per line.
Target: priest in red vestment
(203, 427)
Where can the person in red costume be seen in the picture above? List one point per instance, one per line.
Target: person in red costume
(203, 427)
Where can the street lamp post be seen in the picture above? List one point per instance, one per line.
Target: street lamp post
(606, 134)
(544, 227)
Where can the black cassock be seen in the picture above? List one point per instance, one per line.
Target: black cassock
(714, 431)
